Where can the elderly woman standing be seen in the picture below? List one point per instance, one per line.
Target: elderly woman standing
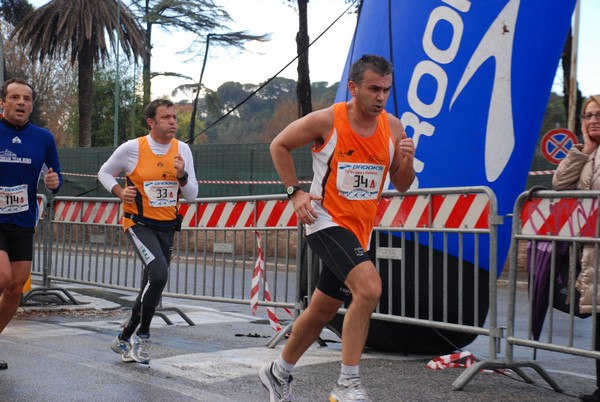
(580, 170)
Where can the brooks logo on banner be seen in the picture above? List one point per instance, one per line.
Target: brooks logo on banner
(495, 46)
(471, 84)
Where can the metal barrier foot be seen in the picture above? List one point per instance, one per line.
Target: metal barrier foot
(522, 374)
(542, 373)
(334, 330)
(280, 335)
(321, 342)
(288, 330)
(164, 317)
(472, 371)
(49, 292)
(175, 309)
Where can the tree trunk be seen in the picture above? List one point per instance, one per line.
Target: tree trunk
(2, 66)
(146, 61)
(86, 76)
(302, 41)
(566, 66)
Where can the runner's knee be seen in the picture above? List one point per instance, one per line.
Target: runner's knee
(322, 308)
(13, 291)
(5, 278)
(158, 273)
(365, 284)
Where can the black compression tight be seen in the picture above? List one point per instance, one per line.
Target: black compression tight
(154, 249)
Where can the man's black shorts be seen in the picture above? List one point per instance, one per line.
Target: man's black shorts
(17, 242)
(340, 251)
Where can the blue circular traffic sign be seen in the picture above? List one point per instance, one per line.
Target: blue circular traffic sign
(556, 144)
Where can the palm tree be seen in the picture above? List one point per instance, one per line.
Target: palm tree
(81, 30)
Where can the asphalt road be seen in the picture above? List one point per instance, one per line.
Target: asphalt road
(62, 353)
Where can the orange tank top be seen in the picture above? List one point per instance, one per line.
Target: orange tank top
(350, 172)
(157, 186)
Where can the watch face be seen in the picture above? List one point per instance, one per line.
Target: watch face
(290, 190)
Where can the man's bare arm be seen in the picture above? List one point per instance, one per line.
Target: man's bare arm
(315, 126)
(402, 172)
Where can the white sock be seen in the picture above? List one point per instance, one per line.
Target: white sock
(348, 372)
(282, 369)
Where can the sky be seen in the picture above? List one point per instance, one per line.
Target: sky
(260, 61)
(588, 48)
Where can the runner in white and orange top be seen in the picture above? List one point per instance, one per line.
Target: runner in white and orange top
(357, 146)
(158, 170)
(349, 173)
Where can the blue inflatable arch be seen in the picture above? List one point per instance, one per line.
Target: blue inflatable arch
(471, 85)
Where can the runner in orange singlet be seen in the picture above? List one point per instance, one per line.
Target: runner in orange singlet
(158, 170)
(357, 147)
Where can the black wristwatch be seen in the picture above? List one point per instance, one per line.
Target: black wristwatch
(291, 190)
(183, 178)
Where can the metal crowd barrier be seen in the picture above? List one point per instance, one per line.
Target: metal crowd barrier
(40, 241)
(421, 241)
(447, 224)
(214, 257)
(431, 246)
(551, 216)
(40, 260)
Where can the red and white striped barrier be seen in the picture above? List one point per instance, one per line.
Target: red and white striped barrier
(106, 213)
(218, 215)
(222, 215)
(562, 217)
(443, 211)
(41, 204)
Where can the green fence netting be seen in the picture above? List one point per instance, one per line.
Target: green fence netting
(222, 170)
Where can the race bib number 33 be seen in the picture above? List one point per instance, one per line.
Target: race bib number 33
(161, 193)
(13, 199)
(359, 181)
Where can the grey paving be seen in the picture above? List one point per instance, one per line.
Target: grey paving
(60, 352)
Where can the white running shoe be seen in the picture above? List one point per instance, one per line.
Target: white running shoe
(123, 348)
(350, 390)
(139, 348)
(279, 390)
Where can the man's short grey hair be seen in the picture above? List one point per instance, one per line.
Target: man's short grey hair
(372, 62)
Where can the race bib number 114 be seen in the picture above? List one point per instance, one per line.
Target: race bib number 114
(13, 199)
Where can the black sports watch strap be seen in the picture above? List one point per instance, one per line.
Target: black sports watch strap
(183, 178)
(291, 190)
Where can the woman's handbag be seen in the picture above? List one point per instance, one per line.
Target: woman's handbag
(561, 300)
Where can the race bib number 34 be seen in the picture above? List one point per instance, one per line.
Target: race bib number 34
(359, 181)
(161, 193)
(13, 199)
